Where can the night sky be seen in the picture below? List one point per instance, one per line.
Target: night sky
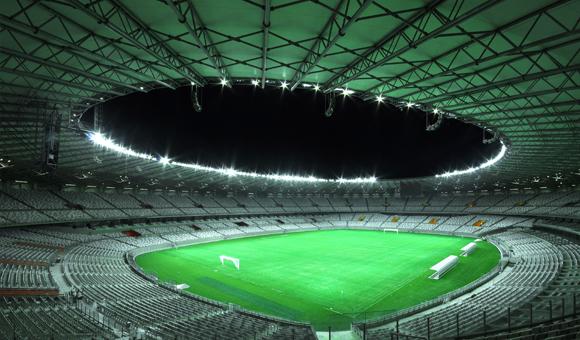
(272, 130)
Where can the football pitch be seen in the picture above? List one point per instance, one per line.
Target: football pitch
(328, 278)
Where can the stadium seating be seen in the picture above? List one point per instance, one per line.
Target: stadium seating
(542, 268)
(24, 207)
(48, 317)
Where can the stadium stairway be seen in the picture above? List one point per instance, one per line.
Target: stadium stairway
(57, 273)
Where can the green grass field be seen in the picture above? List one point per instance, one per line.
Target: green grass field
(328, 278)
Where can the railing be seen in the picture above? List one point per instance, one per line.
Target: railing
(526, 318)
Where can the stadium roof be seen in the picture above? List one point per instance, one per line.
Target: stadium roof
(511, 66)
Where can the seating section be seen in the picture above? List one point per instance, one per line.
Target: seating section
(543, 266)
(15, 276)
(20, 207)
(48, 318)
(98, 269)
(118, 302)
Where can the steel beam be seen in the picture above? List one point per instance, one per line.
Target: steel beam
(398, 42)
(456, 52)
(333, 30)
(199, 34)
(120, 20)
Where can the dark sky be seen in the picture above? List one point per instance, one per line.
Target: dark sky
(281, 131)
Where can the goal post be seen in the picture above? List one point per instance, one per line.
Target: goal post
(390, 230)
(234, 260)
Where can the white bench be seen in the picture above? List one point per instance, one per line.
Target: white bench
(444, 266)
(468, 249)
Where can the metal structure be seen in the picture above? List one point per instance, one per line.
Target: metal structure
(510, 66)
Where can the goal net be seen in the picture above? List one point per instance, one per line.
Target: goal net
(233, 260)
(387, 230)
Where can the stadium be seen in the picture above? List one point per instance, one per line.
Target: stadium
(289, 169)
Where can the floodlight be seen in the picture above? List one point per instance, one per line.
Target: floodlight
(316, 87)
(140, 87)
(223, 82)
(486, 164)
(284, 85)
(164, 160)
(410, 105)
(255, 82)
(380, 99)
(229, 172)
(436, 111)
(346, 92)
(107, 143)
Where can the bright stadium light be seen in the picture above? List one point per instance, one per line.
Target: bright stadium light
(410, 105)
(255, 82)
(316, 88)
(346, 92)
(223, 82)
(230, 172)
(436, 111)
(380, 99)
(284, 85)
(164, 160)
(483, 165)
(107, 143)
(140, 87)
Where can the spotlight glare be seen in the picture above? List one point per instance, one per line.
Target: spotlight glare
(485, 164)
(410, 105)
(164, 160)
(436, 111)
(141, 87)
(316, 88)
(223, 82)
(255, 82)
(380, 99)
(284, 85)
(104, 142)
(346, 92)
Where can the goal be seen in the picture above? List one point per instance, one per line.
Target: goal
(234, 260)
(387, 230)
